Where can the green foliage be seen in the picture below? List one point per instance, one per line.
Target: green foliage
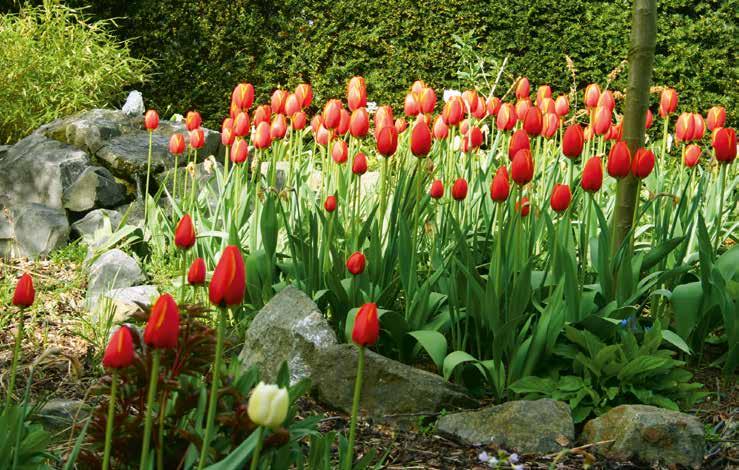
(57, 62)
(23, 445)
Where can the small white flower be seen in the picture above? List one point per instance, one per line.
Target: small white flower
(177, 118)
(448, 94)
(513, 458)
(371, 106)
(484, 457)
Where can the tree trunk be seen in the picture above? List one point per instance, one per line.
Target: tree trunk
(641, 61)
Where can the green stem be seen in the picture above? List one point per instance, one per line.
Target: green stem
(153, 382)
(719, 215)
(16, 358)
(213, 402)
(257, 449)
(109, 423)
(174, 182)
(160, 431)
(355, 409)
(148, 176)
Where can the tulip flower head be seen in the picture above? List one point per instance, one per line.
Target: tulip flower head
(592, 95)
(667, 102)
(241, 124)
(229, 279)
(592, 175)
(523, 88)
(550, 125)
(602, 121)
(340, 152)
(420, 138)
(193, 120)
(277, 101)
(519, 140)
(330, 204)
(561, 198)
(227, 136)
(493, 105)
(472, 140)
(268, 405)
(562, 106)
(184, 234)
(278, 128)
(441, 130)
(384, 117)
(262, 137)
(366, 329)
(522, 107)
(387, 141)
(607, 100)
(453, 112)
(359, 165)
(177, 144)
(692, 155)
(332, 114)
(262, 114)
(522, 167)
(716, 117)
(163, 326)
(437, 189)
(685, 127)
(400, 125)
(532, 121)
(243, 96)
(151, 120)
(299, 120)
(619, 160)
(197, 138)
(500, 187)
(522, 206)
(724, 144)
(459, 189)
(411, 107)
(573, 141)
(650, 119)
(24, 293)
(506, 118)
(119, 352)
(427, 100)
(304, 93)
(643, 163)
(292, 105)
(196, 273)
(356, 263)
(239, 151)
(356, 97)
(359, 122)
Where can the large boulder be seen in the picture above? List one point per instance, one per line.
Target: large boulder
(95, 187)
(98, 221)
(90, 130)
(112, 270)
(648, 434)
(289, 328)
(31, 230)
(541, 426)
(123, 303)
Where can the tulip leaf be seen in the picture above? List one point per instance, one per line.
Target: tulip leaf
(453, 360)
(434, 343)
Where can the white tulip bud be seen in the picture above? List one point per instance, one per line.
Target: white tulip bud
(268, 405)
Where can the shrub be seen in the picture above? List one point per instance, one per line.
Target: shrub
(56, 62)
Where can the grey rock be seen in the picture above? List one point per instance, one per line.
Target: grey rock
(133, 212)
(112, 270)
(31, 230)
(89, 130)
(105, 220)
(94, 188)
(648, 434)
(58, 415)
(123, 303)
(289, 328)
(541, 426)
(391, 391)
(134, 105)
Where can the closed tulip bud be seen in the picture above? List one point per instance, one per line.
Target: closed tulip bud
(268, 405)
(356, 263)
(151, 120)
(229, 279)
(24, 293)
(427, 100)
(546, 105)
(184, 234)
(410, 105)
(619, 160)
(356, 98)
(523, 88)
(400, 125)
(724, 144)
(606, 100)
(550, 125)
(292, 105)
(278, 128)
(588, 133)
(358, 82)
(366, 329)
(643, 163)
(119, 352)
(277, 102)
(417, 86)
(177, 144)
(716, 117)
(262, 114)
(459, 189)
(332, 114)
(592, 175)
(562, 106)
(359, 165)
(384, 117)
(340, 152)
(543, 92)
(197, 138)
(262, 137)
(573, 141)
(522, 167)
(699, 126)
(500, 187)
(420, 138)
(233, 110)
(692, 155)
(316, 123)
(239, 151)
(470, 99)
(441, 130)
(299, 120)
(227, 123)
(387, 141)
(650, 119)
(241, 124)
(243, 96)
(602, 121)
(532, 121)
(453, 112)
(343, 122)
(615, 132)
(561, 197)
(359, 122)
(506, 117)
(685, 127)
(522, 107)
(523, 206)
(330, 204)
(323, 136)
(667, 102)
(193, 120)
(437, 189)
(227, 136)
(163, 327)
(304, 93)
(480, 111)
(493, 105)
(472, 140)
(196, 273)
(592, 95)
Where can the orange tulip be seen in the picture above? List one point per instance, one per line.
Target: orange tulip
(240, 151)
(356, 97)
(177, 144)
(262, 137)
(197, 138)
(243, 96)
(453, 112)
(550, 125)
(277, 103)
(193, 120)
(278, 128)
(163, 327)
(359, 122)
(506, 117)
(304, 93)
(667, 102)
(523, 88)
(344, 122)
(716, 117)
(151, 120)
(427, 100)
(241, 124)
(602, 121)
(493, 105)
(384, 117)
(400, 125)
(229, 279)
(292, 104)
(685, 127)
(522, 107)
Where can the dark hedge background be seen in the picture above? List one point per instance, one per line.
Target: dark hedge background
(204, 47)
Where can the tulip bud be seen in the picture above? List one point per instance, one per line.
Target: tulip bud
(573, 141)
(437, 189)
(562, 106)
(453, 112)
(359, 122)
(151, 120)
(340, 152)
(268, 405)
(262, 137)
(299, 120)
(643, 163)
(522, 167)
(441, 130)
(278, 128)
(356, 97)
(229, 279)
(500, 188)
(650, 118)
(177, 144)
(400, 125)
(619, 160)
(387, 141)
(304, 93)
(699, 126)
(459, 189)
(692, 155)
(384, 117)
(323, 136)
(243, 96)
(410, 105)
(184, 234)
(366, 329)
(193, 120)
(197, 138)
(716, 117)
(239, 151)
(523, 206)
(292, 105)
(602, 121)
(606, 100)
(473, 140)
(592, 175)
(359, 165)
(24, 293)
(330, 204)
(724, 144)
(667, 102)
(522, 107)
(332, 114)
(356, 263)
(592, 95)
(163, 327)
(550, 125)
(343, 122)
(685, 127)
(420, 139)
(427, 100)
(196, 273)
(241, 124)
(262, 114)
(523, 88)
(561, 197)
(532, 121)
(227, 136)
(119, 352)
(506, 117)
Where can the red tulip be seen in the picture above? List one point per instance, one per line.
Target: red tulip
(292, 104)
(546, 105)
(532, 121)
(724, 144)
(619, 160)
(606, 100)
(437, 189)
(493, 105)
(196, 273)
(522, 167)
(420, 138)
(592, 175)
(177, 144)
(500, 188)
(330, 204)
(151, 120)
(277, 103)
(562, 106)
(384, 117)
(523, 88)
(573, 141)
(299, 120)
(615, 132)
(716, 117)
(243, 95)
(344, 122)
(366, 326)
(356, 263)
(472, 140)
(506, 118)
(550, 125)
(543, 92)
(227, 136)
(332, 114)
(459, 189)
(119, 352)
(480, 111)
(453, 112)
(278, 128)
(184, 234)
(262, 114)
(592, 95)
(522, 107)
(561, 197)
(24, 293)
(233, 110)
(359, 165)
(441, 130)
(470, 99)
(522, 206)
(239, 151)
(588, 133)
(667, 102)
(197, 138)
(387, 141)
(304, 93)
(356, 97)
(417, 86)
(340, 152)
(193, 120)
(685, 127)
(316, 123)
(400, 125)
(650, 118)
(643, 163)
(323, 136)
(163, 327)
(229, 279)
(359, 122)
(411, 107)
(262, 137)
(699, 126)
(427, 100)
(602, 121)
(692, 155)
(241, 124)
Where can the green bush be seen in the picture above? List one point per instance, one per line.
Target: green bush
(56, 62)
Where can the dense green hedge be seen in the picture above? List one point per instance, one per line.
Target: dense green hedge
(204, 47)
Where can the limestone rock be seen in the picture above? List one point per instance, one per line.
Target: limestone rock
(112, 270)
(94, 188)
